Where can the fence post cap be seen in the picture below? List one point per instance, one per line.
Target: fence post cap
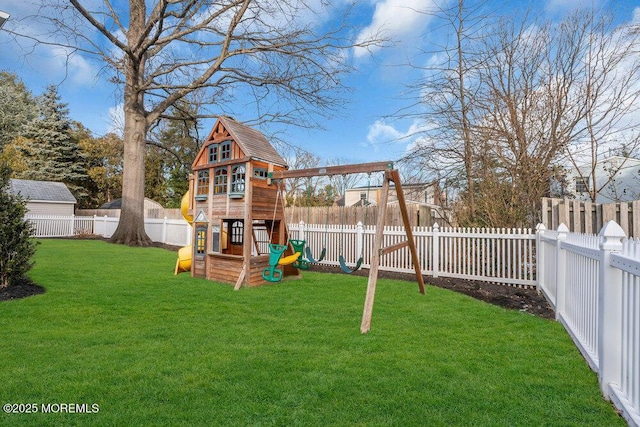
(562, 228)
(612, 229)
(540, 227)
(436, 226)
(612, 235)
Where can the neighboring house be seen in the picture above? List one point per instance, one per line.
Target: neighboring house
(426, 198)
(617, 179)
(428, 194)
(44, 197)
(152, 209)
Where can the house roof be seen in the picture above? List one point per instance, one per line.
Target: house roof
(42, 191)
(252, 142)
(617, 161)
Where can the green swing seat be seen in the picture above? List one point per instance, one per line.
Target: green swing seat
(312, 259)
(298, 246)
(272, 273)
(345, 268)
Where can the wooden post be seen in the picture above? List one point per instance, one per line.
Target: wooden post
(375, 260)
(395, 176)
(245, 274)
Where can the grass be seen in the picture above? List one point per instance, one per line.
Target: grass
(117, 329)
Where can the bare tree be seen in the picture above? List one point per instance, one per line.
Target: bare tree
(163, 50)
(518, 103)
(608, 93)
(446, 146)
(296, 188)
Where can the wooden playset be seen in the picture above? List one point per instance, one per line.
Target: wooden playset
(236, 194)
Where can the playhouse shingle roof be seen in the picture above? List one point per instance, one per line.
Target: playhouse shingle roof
(42, 191)
(253, 143)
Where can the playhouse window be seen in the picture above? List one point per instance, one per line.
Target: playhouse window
(213, 153)
(201, 241)
(238, 179)
(225, 151)
(203, 185)
(260, 173)
(237, 232)
(220, 181)
(215, 238)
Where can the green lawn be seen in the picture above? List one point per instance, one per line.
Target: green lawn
(116, 328)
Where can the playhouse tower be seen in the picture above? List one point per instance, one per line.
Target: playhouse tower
(236, 212)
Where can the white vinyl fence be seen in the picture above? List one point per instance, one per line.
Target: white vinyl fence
(496, 255)
(593, 281)
(170, 231)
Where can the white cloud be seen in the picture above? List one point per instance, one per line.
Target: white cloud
(116, 120)
(61, 62)
(380, 132)
(395, 141)
(398, 21)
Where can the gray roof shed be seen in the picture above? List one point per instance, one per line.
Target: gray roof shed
(42, 191)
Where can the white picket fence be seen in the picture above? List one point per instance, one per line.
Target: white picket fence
(170, 231)
(496, 255)
(593, 281)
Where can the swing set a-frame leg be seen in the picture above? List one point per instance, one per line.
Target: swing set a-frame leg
(394, 176)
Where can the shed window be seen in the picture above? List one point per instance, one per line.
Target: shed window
(225, 151)
(203, 185)
(201, 241)
(238, 179)
(213, 153)
(220, 181)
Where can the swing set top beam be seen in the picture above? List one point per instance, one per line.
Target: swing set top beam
(333, 170)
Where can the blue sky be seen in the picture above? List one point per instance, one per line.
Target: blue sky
(361, 133)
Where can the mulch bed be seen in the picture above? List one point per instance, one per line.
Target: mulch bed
(522, 298)
(23, 289)
(526, 299)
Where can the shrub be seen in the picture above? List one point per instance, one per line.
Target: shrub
(16, 246)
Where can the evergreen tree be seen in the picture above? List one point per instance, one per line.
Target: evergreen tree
(16, 245)
(16, 109)
(53, 151)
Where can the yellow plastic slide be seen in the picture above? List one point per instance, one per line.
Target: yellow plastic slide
(184, 254)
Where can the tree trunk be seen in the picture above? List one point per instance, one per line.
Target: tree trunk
(130, 229)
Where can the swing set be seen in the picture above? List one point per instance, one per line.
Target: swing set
(391, 176)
